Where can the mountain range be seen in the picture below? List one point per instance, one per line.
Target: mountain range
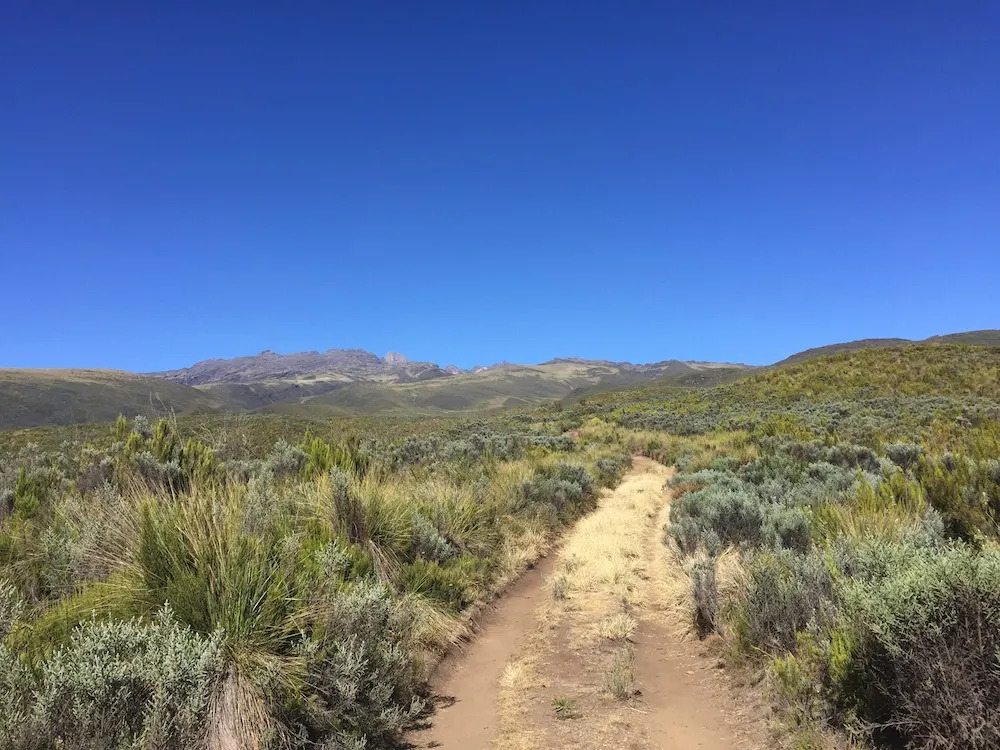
(354, 381)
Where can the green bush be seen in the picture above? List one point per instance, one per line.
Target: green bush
(454, 584)
(11, 608)
(705, 592)
(734, 515)
(116, 685)
(362, 666)
(904, 455)
(785, 593)
(925, 656)
(428, 543)
(686, 532)
(787, 528)
(609, 470)
(567, 489)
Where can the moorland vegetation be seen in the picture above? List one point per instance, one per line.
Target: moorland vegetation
(168, 583)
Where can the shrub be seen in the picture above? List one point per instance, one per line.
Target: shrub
(795, 686)
(783, 593)
(706, 596)
(713, 544)
(567, 488)
(610, 470)
(925, 660)
(427, 541)
(285, 460)
(619, 678)
(733, 514)
(565, 708)
(17, 687)
(11, 608)
(787, 528)
(993, 470)
(904, 455)
(687, 533)
(448, 585)
(361, 661)
(127, 684)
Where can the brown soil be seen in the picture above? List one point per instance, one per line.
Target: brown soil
(537, 649)
(465, 685)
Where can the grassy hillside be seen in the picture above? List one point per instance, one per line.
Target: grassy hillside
(39, 397)
(862, 391)
(259, 394)
(849, 346)
(858, 573)
(974, 338)
(36, 397)
(971, 338)
(507, 386)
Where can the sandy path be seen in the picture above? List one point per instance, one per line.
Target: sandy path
(616, 566)
(679, 688)
(466, 684)
(537, 649)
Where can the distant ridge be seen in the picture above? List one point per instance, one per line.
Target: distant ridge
(350, 364)
(315, 384)
(986, 337)
(29, 398)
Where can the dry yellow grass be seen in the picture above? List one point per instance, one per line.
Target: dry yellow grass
(582, 645)
(618, 627)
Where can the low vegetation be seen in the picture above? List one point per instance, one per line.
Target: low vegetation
(274, 582)
(165, 592)
(840, 522)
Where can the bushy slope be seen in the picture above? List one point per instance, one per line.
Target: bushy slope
(922, 369)
(861, 391)
(37, 397)
(829, 349)
(973, 338)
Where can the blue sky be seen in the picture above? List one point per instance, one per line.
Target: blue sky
(469, 182)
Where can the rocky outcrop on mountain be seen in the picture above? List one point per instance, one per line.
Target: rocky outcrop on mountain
(350, 364)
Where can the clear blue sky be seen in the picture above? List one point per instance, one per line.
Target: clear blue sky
(473, 181)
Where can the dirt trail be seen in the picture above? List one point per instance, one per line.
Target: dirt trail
(680, 685)
(466, 684)
(615, 595)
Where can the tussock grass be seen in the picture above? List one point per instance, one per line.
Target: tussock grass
(619, 677)
(617, 627)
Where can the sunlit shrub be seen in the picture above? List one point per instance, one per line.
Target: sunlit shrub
(125, 685)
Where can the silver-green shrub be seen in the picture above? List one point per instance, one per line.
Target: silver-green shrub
(126, 684)
(705, 593)
(786, 593)
(362, 668)
(904, 455)
(925, 657)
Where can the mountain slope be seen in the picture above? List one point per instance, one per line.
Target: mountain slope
(496, 387)
(348, 364)
(975, 338)
(866, 393)
(989, 337)
(36, 397)
(355, 382)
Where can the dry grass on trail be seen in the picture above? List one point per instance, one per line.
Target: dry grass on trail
(613, 636)
(582, 648)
